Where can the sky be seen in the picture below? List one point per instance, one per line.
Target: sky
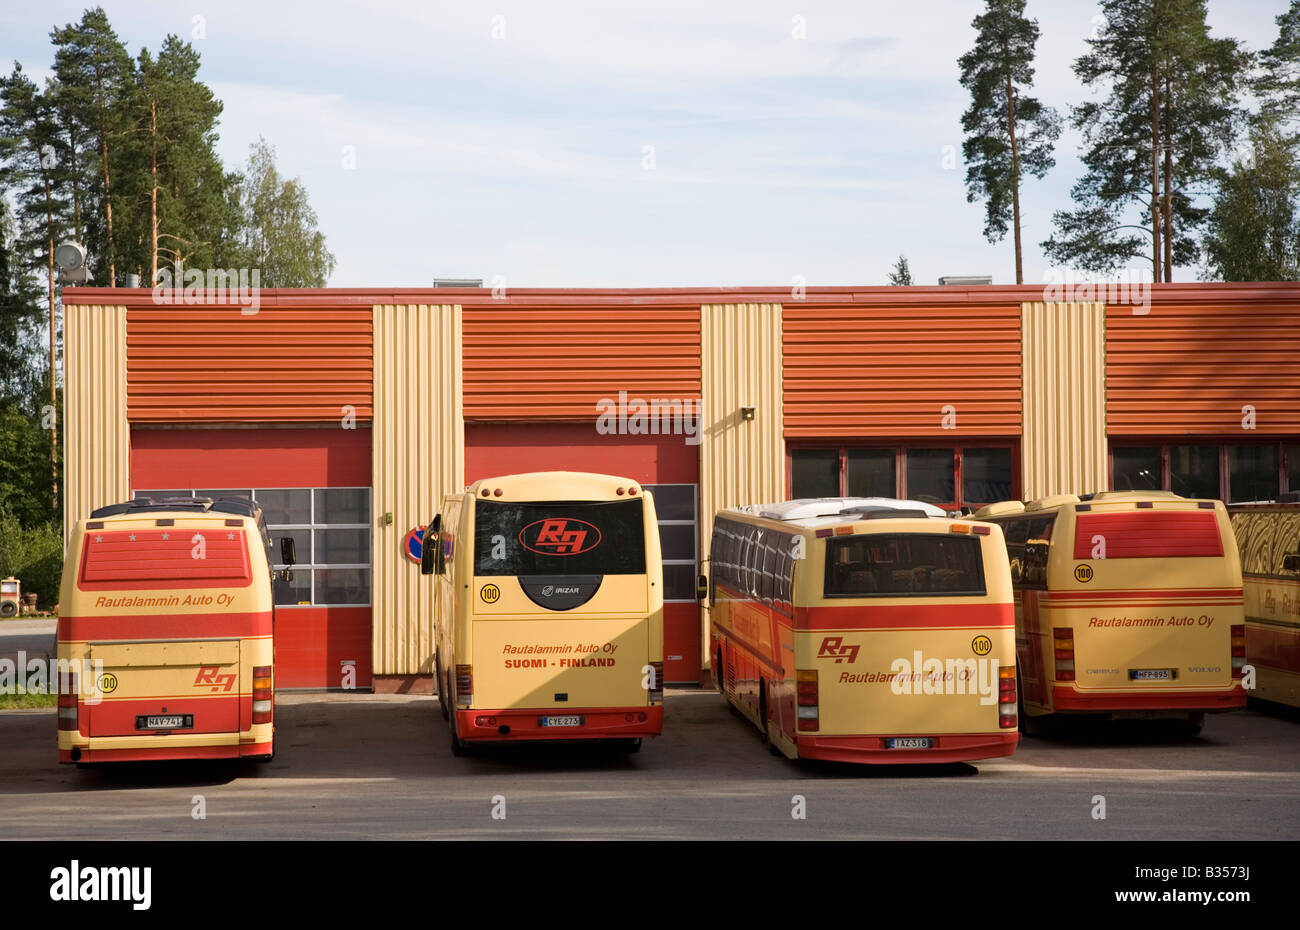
(598, 144)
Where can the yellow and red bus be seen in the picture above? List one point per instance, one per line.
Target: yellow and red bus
(865, 630)
(548, 610)
(166, 633)
(1268, 542)
(1128, 604)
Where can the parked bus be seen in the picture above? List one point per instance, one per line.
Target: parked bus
(1128, 604)
(865, 630)
(1268, 541)
(167, 605)
(548, 610)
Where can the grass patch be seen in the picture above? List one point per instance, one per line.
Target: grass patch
(24, 699)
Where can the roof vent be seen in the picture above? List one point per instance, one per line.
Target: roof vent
(964, 280)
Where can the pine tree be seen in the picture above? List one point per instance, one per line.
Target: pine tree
(30, 167)
(1154, 142)
(95, 72)
(901, 276)
(1008, 135)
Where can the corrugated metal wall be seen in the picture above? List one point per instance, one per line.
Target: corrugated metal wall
(419, 455)
(741, 462)
(214, 363)
(559, 362)
(1190, 369)
(97, 451)
(889, 371)
(1063, 449)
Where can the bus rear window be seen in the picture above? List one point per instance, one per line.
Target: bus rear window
(918, 565)
(144, 558)
(1148, 534)
(559, 538)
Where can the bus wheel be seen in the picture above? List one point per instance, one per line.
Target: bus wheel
(442, 691)
(458, 746)
(718, 672)
(630, 745)
(1194, 724)
(762, 710)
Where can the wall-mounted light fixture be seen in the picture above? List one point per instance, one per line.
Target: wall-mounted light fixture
(388, 518)
(747, 413)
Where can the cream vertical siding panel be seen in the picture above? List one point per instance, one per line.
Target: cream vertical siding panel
(97, 437)
(741, 462)
(1063, 447)
(418, 456)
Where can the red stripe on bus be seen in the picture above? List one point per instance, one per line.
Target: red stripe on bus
(1066, 698)
(1134, 593)
(106, 628)
(1273, 647)
(1149, 534)
(905, 616)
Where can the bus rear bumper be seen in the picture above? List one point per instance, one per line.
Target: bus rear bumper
(949, 747)
(119, 750)
(1066, 698)
(603, 723)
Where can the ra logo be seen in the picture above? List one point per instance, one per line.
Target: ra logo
(1269, 602)
(210, 676)
(833, 648)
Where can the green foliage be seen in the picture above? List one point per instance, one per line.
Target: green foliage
(901, 276)
(1253, 230)
(278, 228)
(1153, 143)
(34, 555)
(24, 465)
(1008, 135)
(1278, 83)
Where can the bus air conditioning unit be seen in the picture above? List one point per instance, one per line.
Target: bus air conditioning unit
(9, 593)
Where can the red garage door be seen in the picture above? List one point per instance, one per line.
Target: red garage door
(313, 485)
(665, 465)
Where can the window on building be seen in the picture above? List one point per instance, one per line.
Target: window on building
(949, 476)
(330, 528)
(1232, 472)
(676, 506)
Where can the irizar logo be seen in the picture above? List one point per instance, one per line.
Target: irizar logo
(106, 883)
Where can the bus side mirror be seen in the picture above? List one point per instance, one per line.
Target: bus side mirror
(431, 548)
(288, 551)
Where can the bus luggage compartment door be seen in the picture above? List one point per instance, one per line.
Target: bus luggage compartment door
(176, 687)
(596, 662)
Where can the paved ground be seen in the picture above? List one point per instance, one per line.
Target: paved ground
(35, 637)
(364, 766)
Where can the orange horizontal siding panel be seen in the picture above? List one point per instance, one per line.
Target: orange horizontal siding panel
(1194, 368)
(894, 371)
(216, 364)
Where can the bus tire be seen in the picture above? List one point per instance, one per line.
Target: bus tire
(762, 710)
(1194, 724)
(459, 747)
(630, 745)
(442, 691)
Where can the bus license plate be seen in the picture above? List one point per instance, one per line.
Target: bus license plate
(1150, 674)
(910, 742)
(559, 721)
(168, 722)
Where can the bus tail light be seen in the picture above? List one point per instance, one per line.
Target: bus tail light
(263, 697)
(1238, 650)
(465, 684)
(1007, 697)
(806, 698)
(1063, 647)
(68, 701)
(656, 688)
